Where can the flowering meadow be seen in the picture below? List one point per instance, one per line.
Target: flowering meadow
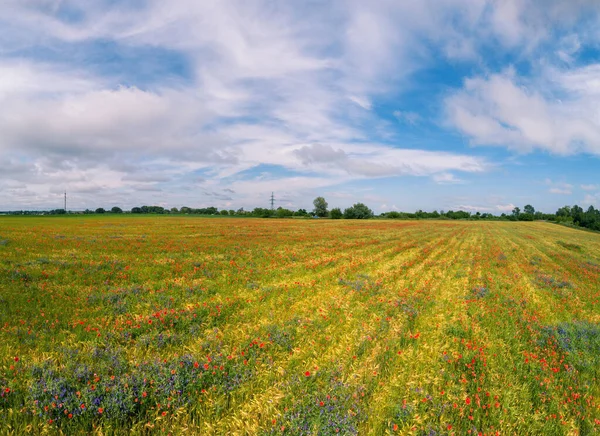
(151, 325)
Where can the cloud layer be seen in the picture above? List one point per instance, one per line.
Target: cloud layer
(222, 102)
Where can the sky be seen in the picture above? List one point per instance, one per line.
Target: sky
(479, 105)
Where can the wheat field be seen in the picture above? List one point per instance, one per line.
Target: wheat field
(152, 325)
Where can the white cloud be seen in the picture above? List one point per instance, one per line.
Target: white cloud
(471, 208)
(560, 188)
(125, 118)
(27, 78)
(560, 191)
(407, 117)
(503, 110)
(446, 178)
(362, 102)
(569, 46)
(375, 160)
(505, 207)
(592, 200)
(590, 187)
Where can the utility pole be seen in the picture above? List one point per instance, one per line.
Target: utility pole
(65, 201)
(272, 199)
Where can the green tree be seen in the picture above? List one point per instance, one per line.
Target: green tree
(320, 207)
(529, 209)
(174, 210)
(564, 212)
(100, 210)
(358, 211)
(336, 213)
(576, 211)
(152, 209)
(116, 209)
(262, 212)
(282, 212)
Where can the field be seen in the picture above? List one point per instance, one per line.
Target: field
(249, 326)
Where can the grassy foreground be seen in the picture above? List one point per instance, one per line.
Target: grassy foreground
(172, 324)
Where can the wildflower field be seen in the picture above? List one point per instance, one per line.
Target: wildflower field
(246, 326)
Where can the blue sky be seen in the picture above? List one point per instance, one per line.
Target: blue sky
(477, 105)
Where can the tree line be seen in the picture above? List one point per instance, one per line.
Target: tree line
(569, 215)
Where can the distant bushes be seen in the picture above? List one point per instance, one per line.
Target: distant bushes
(574, 216)
(336, 213)
(358, 211)
(589, 219)
(567, 215)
